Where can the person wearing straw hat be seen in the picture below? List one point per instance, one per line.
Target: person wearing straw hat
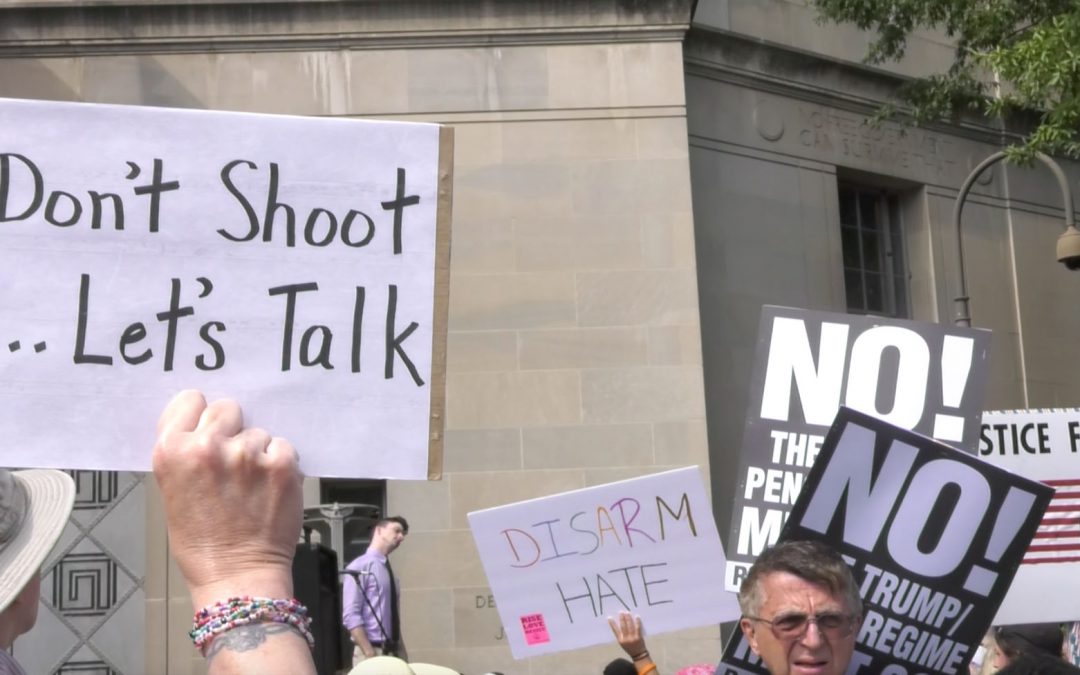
(34, 508)
(431, 669)
(392, 665)
(382, 665)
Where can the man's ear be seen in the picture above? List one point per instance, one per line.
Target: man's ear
(748, 632)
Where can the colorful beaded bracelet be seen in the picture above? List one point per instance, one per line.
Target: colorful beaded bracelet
(215, 619)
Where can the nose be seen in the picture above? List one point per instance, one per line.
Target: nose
(812, 637)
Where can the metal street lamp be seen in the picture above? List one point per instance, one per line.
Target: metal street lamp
(1068, 244)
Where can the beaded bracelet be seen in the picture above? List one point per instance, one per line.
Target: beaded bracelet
(215, 619)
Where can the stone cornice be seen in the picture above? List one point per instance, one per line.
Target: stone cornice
(777, 69)
(55, 28)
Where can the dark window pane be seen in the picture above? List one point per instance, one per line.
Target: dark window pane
(874, 296)
(871, 240)
(871, 251)
(847, 207)
(357, 534)
(369, 498)
(854, 290)
(849, 237)
(896, 248)
(900, 293)
(893, 213)
(868, 210)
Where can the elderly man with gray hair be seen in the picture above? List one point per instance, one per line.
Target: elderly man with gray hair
(801, 609)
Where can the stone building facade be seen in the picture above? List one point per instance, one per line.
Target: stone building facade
(574, 353)
(633, 180)
(790, 181)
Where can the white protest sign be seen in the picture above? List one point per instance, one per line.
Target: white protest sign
(933, 537)
(1043, 445)
(560, 565)
(296, 264)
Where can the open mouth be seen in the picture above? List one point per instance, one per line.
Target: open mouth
(810, 667)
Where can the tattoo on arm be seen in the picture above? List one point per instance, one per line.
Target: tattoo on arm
(245, 638)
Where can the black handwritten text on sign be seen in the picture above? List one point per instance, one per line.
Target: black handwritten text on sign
(297, 264)
(25, 195)
(20, 175)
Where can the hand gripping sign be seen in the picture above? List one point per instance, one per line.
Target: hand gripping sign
(560, 565)
(933, 536)
(926, 377)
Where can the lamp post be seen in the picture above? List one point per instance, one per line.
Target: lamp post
(1068, 244)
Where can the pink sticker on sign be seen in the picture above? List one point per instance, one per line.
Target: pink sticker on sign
(536, 632)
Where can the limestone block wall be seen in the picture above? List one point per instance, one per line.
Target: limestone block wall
(574, 354)
(574, 346)
(793, 24)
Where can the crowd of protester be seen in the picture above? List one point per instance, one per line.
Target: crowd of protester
(800, 604)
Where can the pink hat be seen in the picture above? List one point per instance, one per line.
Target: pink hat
(699, 669)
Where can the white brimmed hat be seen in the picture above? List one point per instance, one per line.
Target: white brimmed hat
(34, 508)
(432, 669)
(382, 665)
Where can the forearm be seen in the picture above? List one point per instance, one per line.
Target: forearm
(269, 648)
(262, 647)
(645, 664)
(238, 568)
(360, 639)
(631, 637)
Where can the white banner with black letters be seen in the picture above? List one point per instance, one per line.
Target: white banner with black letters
(297, 264)
(921, 376)
(933, 536)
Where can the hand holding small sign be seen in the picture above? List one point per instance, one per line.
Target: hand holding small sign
(630, 636)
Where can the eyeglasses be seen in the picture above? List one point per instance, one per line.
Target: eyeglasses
(833, 625)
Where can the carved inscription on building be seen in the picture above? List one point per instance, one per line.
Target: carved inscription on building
(476, 619)
(854, 138)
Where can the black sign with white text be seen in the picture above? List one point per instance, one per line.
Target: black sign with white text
(933, 535)
(920, 376)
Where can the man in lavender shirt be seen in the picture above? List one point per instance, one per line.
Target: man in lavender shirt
(370, 597)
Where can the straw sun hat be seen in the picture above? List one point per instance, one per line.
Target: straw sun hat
(390, 665)
(431, 669)
(382, 665)
(34, 507)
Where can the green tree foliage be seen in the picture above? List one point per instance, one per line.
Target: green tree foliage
(1031, 47)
